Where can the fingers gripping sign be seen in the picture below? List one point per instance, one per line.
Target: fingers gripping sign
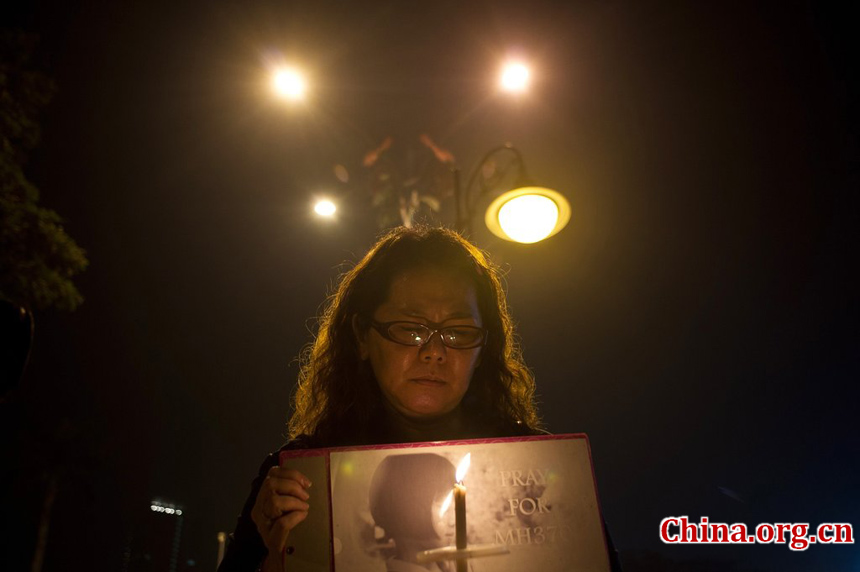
(280, 506)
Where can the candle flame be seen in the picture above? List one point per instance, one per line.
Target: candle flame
(446, 504)
(463, 467)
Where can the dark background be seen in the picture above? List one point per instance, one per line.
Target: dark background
(697, 318)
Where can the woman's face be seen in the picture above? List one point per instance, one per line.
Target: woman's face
(427, 381)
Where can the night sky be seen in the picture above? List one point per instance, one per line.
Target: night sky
(697, 318)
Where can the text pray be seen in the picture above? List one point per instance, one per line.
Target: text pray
(523, 478)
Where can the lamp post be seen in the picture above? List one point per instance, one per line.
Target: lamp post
(523, 213)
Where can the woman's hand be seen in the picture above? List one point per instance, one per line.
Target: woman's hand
(280, 506)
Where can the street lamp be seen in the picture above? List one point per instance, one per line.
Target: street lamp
(325, 208)
(289, 83)
(515, 77)
(525, 213)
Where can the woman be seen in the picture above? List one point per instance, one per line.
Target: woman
(415, 345)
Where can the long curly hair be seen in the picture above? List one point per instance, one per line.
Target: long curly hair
(336, 390)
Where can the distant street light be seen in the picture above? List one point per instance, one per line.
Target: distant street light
(515, 77)
(325, 208)
(524, 213)
(289, 83)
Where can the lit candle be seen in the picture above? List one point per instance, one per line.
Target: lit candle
(460, 513)
(460, 509)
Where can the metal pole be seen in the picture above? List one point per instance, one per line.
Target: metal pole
(462, 222)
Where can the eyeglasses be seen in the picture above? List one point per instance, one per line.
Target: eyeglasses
(416, 334)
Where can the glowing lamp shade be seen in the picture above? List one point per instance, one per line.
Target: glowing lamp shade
(325, 208)
(528, 214)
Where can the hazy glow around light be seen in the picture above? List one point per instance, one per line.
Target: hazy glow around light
(463, 467)
(529, 218)
(325, 208)
(289, 83)
(515, 78)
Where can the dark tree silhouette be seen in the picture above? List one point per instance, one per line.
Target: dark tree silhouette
(37, 257)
